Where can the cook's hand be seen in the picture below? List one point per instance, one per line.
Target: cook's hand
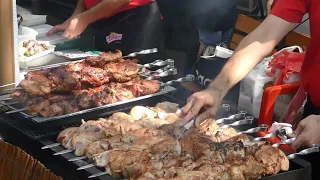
(209, 100)
(308, 132)
(72, 27)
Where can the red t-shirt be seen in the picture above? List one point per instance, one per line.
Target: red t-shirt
(293, 11)
(133, 4)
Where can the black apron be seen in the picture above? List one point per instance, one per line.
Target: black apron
(131, 31)
(314, 159)
(206, 70)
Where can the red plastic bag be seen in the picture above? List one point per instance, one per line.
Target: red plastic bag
(287, 63)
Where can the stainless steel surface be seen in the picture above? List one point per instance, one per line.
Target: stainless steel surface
(63, 152)
(246, 120)
(287, 141)
(261, 128)
(231, 118)
(51, 146)
(147, 51)
(313, 149)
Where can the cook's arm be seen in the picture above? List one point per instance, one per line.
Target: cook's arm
(105, 9)
(252, 49)
(80, 8)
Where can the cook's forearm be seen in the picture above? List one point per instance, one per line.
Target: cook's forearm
(251, 51)
(80, 8)
(105, 9)
(248, 54)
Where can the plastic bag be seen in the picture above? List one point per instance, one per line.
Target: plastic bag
(251, 88)
(270, 71)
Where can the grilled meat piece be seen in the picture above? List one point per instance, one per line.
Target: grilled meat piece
(273, 158)
(39, 86)
(36, 105)
(96, 147)
(82, 139)
(168, 107)
(104, 58)
(122, 71)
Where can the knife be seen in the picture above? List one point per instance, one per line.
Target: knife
(184, 129)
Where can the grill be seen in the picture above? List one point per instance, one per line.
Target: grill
(299, 169)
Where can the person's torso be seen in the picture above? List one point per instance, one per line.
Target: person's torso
(133, 4)
(311, 67)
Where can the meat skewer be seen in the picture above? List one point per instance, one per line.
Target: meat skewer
(84, 99)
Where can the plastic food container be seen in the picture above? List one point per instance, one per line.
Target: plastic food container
(29, 19)
(26, 33)
(42, 30)
(24, 60)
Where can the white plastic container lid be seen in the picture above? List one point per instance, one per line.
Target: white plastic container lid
(42, 29)
(54, 39)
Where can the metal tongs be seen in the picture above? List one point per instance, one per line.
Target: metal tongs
(184, 129)
(261, 128)
(313, 149)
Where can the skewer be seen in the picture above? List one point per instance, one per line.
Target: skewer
(13, 89)
(6, 99)
(63, 152)
(188, 77)
(51, 146)
(98, 175)
(280, 132)
(247, 120)
(78, 158)
(261, 128)
(313, 149)
(231, 118)
(170, 72)
(86, 167)
(288, 141)
(16, 111)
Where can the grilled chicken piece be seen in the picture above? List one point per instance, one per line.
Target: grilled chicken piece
(82, 139)
(139, 112)
(122, 116)
(168, 107)
(208, 127)
(66, 135)
(96, 147)
(130, 163)
(245, 168)
(272, 158)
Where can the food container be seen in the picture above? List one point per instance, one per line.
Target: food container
(42, 29)
(24, 60)
(29, 19)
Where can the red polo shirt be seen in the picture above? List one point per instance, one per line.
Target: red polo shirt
(133, 4)
(293, 11)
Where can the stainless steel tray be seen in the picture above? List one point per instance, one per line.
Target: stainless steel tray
(164, 90)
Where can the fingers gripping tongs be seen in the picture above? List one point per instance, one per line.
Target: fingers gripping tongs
(184, 129)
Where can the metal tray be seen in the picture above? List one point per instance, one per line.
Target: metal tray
(38, 131)
(164, 90)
